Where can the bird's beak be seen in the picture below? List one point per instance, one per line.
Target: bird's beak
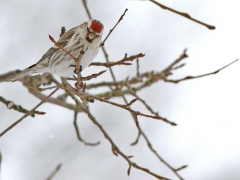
(91, 36)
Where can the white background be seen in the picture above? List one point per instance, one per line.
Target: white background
(207, 137)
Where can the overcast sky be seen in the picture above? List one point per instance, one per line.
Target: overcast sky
(207, 137)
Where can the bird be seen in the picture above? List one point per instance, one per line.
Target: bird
(83, 38)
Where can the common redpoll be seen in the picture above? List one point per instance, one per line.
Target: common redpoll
(85, 37)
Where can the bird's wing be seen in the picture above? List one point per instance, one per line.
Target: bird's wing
(64, 39)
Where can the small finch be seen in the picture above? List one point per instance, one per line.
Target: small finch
(85, 37)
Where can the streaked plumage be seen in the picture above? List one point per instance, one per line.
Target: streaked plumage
(86, 37)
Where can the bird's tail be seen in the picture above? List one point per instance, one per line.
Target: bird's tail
(30, 70)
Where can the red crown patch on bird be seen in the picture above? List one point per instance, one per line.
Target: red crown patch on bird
(96, 26)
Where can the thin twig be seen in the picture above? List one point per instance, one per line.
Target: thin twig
(137, 139)
(135, 113)
(199, 76)
(183, 14)
(140, 132)
(107, 60)
(117, 151)
(181, 168)
(78, 132)
(159, 157)
(55, 171)
(120, 62)
(111, 30)
(87, 78)
(19, 108)
(27, 114)
(86, 8)
(92, 118)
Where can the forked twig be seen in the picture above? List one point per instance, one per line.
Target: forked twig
(19, 108)
(120, 62)
(29, 113)
(199, 76)
(117, 151)
(135, 113)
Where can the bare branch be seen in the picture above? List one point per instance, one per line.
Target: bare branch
(19, 108)
(27, 114)
(158, 156)
(140, 132)
(181, 168)
(111, 30)
(151, 110)
(137, 139)
(183, 14)
(55, 172)
(120, 62)
(86, 8)
(116, 150)
(199, 76)
(135, 113)
(87, 78)
(78, 133)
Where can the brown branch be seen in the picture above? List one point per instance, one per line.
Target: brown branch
(137, 139)
(78, 133)
(140, 132)
(5, 76)
(151, 110)
(27, 114)
(55, 171)
(120, 62)
(87, 78)
(19, 108)
(158, 156)
(55, 101)
(181, 168)
(116, 150)
(111, 30)
(93, 119)
(86, 8)
(199, 76)
(135, 113)
(183, 14)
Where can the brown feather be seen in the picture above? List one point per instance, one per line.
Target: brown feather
(62, 41)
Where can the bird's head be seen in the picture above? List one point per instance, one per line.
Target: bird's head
(94, 31)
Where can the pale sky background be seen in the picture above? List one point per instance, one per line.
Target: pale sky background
(207, 137)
